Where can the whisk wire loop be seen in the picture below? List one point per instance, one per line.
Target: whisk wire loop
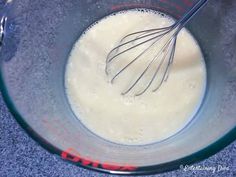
(132, 41)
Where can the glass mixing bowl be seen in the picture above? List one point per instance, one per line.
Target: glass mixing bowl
(38, 36)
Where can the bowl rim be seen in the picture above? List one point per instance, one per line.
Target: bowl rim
(200, 155)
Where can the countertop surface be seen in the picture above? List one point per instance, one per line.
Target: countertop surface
(21, 156)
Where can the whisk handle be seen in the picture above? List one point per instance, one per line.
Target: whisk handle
(182, 22)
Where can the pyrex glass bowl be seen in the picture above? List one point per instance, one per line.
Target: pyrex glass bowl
(38, 36)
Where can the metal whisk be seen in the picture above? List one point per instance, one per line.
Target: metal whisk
(148, 39)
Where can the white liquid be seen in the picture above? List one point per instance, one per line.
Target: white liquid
(131, 120)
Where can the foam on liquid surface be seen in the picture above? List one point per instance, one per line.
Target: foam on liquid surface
(149, 118)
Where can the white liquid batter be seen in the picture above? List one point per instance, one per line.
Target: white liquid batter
(149, 118)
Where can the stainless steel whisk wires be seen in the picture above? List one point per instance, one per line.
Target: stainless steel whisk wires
(134, 40)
